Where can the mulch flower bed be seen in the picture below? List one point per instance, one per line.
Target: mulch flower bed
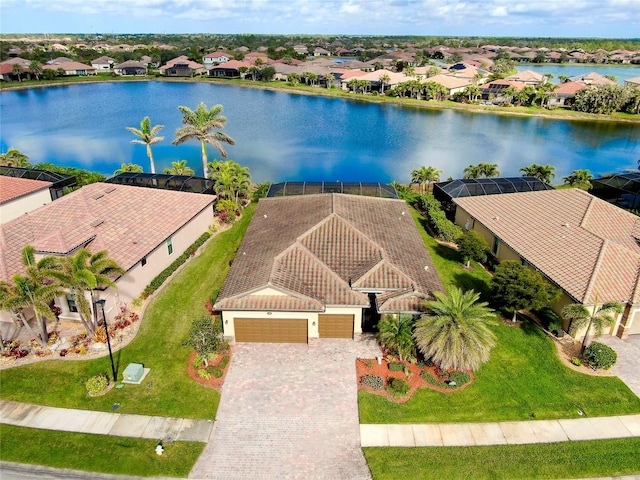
(212, 382)
(366, 366)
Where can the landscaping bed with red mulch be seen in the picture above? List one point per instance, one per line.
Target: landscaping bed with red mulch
(221, 362)
(416, 377)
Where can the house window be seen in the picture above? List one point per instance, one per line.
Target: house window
(169, 246)
(143, 262)
(496, 245)
(71, 303)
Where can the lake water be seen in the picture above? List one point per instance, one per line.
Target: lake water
(621, 72)
(281, 136)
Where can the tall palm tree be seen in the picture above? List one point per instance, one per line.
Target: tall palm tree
(599, 317)
(472, 171)
(179, 168)
(35, 68)
(17, 70)
(542, 172)
(489, 169)
(200, 124)
(423, 176)
(579, 178)
(147, 135)
(14, 158)
(395, 332)
(384, 80)
(230, 180)
(82, 274)
(455, 332)
(129, 168)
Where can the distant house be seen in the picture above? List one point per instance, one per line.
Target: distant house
(451, 83)
(215, 58)
(321, 52)
(565, 92)
(585, 246)
(301, 49)
(634, 82)
(593, 78)
(120, 219)
(182, 67)
(528, 77)
(252, 57)
(130, 67)
(71, 68)
(103, 64)
(497, 87)
(230, 69)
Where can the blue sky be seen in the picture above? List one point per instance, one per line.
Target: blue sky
(539, 18)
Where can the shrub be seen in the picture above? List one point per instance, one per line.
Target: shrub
(166, 273)
(550, 319)
(459, 377)
(215, 371)
(97, 384)
(398, 387)
(369, 363)
(442, 227)
(223, 363)
(396, 366)
(203, 373)
(374, 381)
(205, 337)
(576, 361)
(599, 355)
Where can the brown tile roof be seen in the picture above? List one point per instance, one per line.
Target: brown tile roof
(583, 244)
(14, 187)
(127, 221)
(328, 250)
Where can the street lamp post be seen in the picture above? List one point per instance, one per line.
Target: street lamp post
(101, 302)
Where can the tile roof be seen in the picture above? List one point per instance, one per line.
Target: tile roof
(13, 187)
(127, 221)
(583, 244)
(329, 250)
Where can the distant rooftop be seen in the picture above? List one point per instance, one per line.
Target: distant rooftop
(286, 189)
(621, 189)
(58, 181)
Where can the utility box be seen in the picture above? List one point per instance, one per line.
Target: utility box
(133, 373)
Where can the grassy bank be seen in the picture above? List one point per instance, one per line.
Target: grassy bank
(168, 390)
(97, 453)
(540, 461)
(283, 86)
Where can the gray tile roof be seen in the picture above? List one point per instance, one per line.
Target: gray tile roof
(329, 250)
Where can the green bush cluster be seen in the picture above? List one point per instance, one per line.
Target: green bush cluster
(442, 227)
(374, 381)
(216, 371)
(396, 366)
(97, 384)
(166, 273)
(398, 387)
(550, 319)
(459, 377)
(599, 355)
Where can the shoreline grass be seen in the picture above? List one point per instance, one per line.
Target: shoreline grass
(168, 390)
(595, 458)
(97, 453)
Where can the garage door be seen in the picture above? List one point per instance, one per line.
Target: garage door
(335, 326)
(271, 330)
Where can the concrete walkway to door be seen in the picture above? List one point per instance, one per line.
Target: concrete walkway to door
(289, 411)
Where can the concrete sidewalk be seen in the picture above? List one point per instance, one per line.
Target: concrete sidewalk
(103, 423)
(499, 433)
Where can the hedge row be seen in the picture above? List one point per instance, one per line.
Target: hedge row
(166, 273)
(442, 227)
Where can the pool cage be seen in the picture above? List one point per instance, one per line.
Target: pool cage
(622, 189)
(59, 181)
(163, 181)
(286, 189)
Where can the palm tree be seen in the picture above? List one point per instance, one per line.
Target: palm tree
(329, 79)
(199, 125)
(509, 94)
(35, 68)
(455, 332)
(128, 168)
(599, 317)
(231, 180)
(579, 178)
(14, 158)
(489, 169)
(542, 172)
(82, 274)
(179, 168)
(395, 333)
(148, 136)
(423, 176)
(472, 171)
(384, 80)
(17, 70)
(293, 78)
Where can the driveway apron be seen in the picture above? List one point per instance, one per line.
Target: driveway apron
(289, 411)
(628, 365)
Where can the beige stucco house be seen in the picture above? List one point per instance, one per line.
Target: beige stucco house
(21, 195)
(582, 244)
(324, 265)
(142, 229)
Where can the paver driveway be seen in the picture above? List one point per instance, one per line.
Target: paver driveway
(289, 411)
(628, 364)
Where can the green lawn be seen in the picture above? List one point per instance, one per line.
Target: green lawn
(97, 453)
(523, 379)
(167, 391)
(541, 461)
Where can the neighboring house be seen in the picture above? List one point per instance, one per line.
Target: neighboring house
(130, 67)
(71, 68)
(230, 69)
(182, 67)
(564, 93)
(251, 57)
(103, 64)
(301, 49)
(582, 244)
(593, 78)
(325, 265)
(633, 82)
(452, 83)
(321, 52)
(215, 58)
(143, 229)
(496, 87)
(21, 195)
(528, 77)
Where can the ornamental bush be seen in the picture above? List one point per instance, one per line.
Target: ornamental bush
(599, 355)
(459, 377)
(97, 384)
(374, 381)
(398, 387)
(396, 366)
